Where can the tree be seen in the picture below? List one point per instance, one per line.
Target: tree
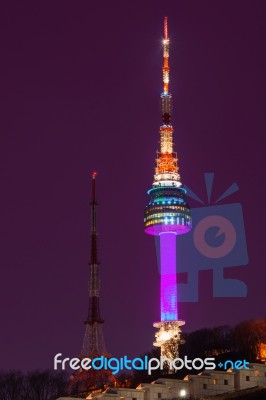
(45, 385)
(12, 386)
(248, 338)
(37, 385)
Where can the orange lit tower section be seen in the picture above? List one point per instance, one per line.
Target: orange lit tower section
(166, 171)
(166, 216)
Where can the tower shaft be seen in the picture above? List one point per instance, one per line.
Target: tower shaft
(93, 343)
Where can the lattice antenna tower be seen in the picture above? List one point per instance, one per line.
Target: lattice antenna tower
(93, 343)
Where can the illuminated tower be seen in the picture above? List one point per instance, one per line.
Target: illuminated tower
(93, 343)
(166, 216)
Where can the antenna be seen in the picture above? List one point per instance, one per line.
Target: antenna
(165, 30)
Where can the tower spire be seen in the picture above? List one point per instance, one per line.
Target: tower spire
(166, 171)
(94, 260)
(165, 26)
(165, 57)
(93, 341)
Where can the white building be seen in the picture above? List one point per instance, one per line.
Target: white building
(252, 377)
(118, 393)
(210, 383)
(165, 389)
(206, 383)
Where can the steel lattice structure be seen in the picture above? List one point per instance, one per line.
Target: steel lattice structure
(93, 343)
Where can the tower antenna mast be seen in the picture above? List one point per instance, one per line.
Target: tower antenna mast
(93, 343)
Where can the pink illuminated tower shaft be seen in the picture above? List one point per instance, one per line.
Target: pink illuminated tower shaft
(166, 216)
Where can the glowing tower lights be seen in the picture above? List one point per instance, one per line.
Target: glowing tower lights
(166, 216)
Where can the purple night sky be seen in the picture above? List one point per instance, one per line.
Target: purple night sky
(80, 90)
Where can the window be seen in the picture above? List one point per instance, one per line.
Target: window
(226, 382)
(215, 381)
(204, 385)
(159, 395)
(247, 378)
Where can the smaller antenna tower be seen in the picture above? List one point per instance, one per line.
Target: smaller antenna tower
(93, 343)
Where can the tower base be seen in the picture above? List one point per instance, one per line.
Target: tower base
(93, 343)
(168, 338)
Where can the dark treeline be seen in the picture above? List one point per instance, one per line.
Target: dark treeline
(37, 385)
(242, 342)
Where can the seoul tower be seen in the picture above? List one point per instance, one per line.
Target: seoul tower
(166, 216)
